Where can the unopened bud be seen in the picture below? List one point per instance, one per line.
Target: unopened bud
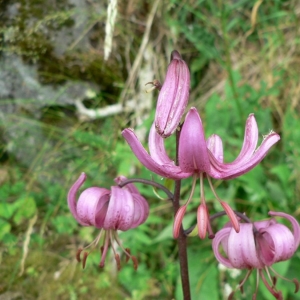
(173, 96)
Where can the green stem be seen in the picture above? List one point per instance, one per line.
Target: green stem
(148, 182)
(181, 241)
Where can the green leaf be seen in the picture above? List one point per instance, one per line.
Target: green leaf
(6, 210)
(26, 208)
(5, 228)
(64, 224)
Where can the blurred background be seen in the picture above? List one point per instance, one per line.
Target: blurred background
(72, 77)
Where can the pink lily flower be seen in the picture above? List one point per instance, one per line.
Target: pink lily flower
(201, 158)
(108, 210)
(258, 246)
(173, 96)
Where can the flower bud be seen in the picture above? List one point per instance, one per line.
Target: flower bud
(173, 96)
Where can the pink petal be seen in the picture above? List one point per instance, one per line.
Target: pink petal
(166, 170)
(276, 243)
(219, 237)
(242, 249)
(141, 207)
(72, 202)
(295, 224)
(250, 142)
(192, 151)
(141, 210)
(92, 206)
(157, 148)
(215, 146)
(248, 148)
(232, 170)
(120, 210)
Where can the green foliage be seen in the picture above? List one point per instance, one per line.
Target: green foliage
(244, 67)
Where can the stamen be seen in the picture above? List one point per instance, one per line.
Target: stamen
(111, 238)
(117, 239)
(240, 286)
(297, 286)
(135, 262)
(128, 255)
(226, 207)
(85, 255)
(118, 261)
(294, 280)
(272, 289)
(78, 254)
(126, 251)
(192, 190)
(211, 234)
(95, 242)
(230, 297)
(104, 249)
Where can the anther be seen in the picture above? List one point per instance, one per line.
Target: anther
(85, 255)
(78, 254)
(297, 286)
(118, 261)
(135, 262)
(128, 254)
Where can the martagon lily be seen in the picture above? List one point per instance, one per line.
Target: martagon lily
(108, 210)
(201, 158)
(258, 246)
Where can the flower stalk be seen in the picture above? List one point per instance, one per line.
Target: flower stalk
(181, 241)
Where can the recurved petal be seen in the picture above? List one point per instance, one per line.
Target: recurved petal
(141, 210)
(249, 143)
(228, 171)
(294, 222)
(92, 206)
(166, 170)
(141, 207)
(241, 248)
(276, 243)
(192, 150)
(221, 235)
(72, 202)
(215, 146)
(157, 147)
(120, 210)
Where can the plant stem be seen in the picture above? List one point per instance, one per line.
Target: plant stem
(148, 182)
(181, 241)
